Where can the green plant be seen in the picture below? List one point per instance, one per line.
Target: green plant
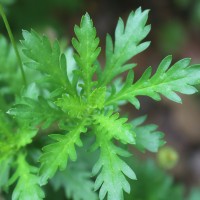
(73, 108)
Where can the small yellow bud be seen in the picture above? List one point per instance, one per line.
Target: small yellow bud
(167, 157)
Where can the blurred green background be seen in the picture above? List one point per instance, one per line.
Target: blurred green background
(175, 30)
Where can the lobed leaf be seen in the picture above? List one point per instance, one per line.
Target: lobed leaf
(97, 98)
(126, 45)
(36, 112)
(86, 45)
(147, 137)
(13, 143)
(115, 127)
(111, 170)
(180, 77)
(9, 73)
(55, 155)
(76, 182)
(27, 186)
(47, 59)
(72, 105)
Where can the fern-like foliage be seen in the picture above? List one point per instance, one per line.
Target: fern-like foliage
(86, 100)
(27, 181)
(180, 77)
(76, 181)
(115, 127)
(47, 59)
(72, 105)
(147, 137)
(112, 170)
(8, 64)
(9, 74)
(14, 142)
(38, 112)
(87, 49)
(126, 44)
(56, 154)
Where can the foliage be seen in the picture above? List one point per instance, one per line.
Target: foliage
(71, 107)
(27, 186)
(76, 180)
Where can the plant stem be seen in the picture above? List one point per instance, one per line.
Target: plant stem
(13, 43)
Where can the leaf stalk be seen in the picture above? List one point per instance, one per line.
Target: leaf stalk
(2, 13)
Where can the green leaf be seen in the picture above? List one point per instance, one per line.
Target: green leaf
(97, 98)
(40, 112)
(5, 126)
(115, 127)
(24, 136)
(19, 138)
(72, 105)
(147, 137)
(76, 182)
(126, 45)
(47, 59)
(5, 166)
(180, 77)
(9, 72)
(86, 45)
(112, 170)
(56, 154)
(36, 101)
(27, 182)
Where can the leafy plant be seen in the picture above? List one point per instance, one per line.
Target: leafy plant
(70, 108)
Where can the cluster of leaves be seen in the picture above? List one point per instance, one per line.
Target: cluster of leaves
(79, 105)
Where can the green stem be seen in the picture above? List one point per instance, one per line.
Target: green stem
(13, 43)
